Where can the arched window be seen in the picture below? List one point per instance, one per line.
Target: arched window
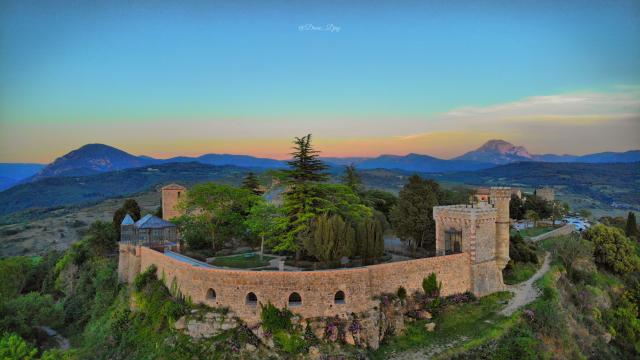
(295, 299)
(211, 295)
(251, 299)
(339, 297)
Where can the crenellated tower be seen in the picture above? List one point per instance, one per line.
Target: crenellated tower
(500, 197)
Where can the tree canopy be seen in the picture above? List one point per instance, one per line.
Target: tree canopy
(412, 216)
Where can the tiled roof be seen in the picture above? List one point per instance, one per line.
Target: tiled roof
(152, 222)
(127, 220)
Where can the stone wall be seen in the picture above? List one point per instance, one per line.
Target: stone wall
(316, 288)
(564, 230)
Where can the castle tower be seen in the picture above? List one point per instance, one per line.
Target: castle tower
(171, 195)
(500, 197)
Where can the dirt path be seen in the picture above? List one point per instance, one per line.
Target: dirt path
(525, 292)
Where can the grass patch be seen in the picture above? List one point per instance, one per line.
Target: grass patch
(520, 272)
(534, 231)
(242, 261)
(468, 324)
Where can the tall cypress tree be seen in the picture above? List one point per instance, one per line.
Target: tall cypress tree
(252, 184)
(301, 199)
(631, 229)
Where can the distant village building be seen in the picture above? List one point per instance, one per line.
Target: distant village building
(545, 193)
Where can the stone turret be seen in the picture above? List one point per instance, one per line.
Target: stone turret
(171, 196)
(500, 197)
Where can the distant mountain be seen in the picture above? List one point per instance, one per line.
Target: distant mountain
(420, 163)
(98, 158)
(497, 152)
(230, 159)
(12, 173)
(501, 152)
(91, 159)
(611, 157)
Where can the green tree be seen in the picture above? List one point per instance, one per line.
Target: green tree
(102, 239)
(131, 207)
(380, 200)
(532, 215)
(196, 231)
(557, 211)
(631, 228)
(302, 199)
(571, 249)
(252, 184)
(352, 178)
(412, 217)
(369, 240)
(14, 273)
(613, 250)
(516, 208)
(305, 166)
(263, 221)
(331, 238)
(13, 347)
(24, 313)
(541, 206)
(225, 207)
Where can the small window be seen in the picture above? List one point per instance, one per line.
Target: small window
(178, 194)
(452, 241)
(252, 299)
(339, 297)
(295, 299)
(211, 295)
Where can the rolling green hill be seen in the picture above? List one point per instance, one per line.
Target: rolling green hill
(617, 184)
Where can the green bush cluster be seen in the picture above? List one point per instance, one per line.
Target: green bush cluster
(521, 250)
(431, 286)
(275, 319)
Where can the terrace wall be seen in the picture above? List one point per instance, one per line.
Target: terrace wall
(316, 288)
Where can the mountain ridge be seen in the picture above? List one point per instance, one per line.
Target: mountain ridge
(99, 158)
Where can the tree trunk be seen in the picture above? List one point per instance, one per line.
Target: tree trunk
(261, 247)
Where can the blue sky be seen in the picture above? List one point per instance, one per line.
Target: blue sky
(211, 76)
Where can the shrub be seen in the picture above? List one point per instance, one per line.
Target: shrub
(13, 346)
(548, 317)
(522, 251)
(145, 277)
(289, 343)
(402, 293)
(613, 249)
(274, 319)
(431, 286)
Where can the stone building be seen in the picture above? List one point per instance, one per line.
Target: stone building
(472, 243)
(171, 196)
(546, 193)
